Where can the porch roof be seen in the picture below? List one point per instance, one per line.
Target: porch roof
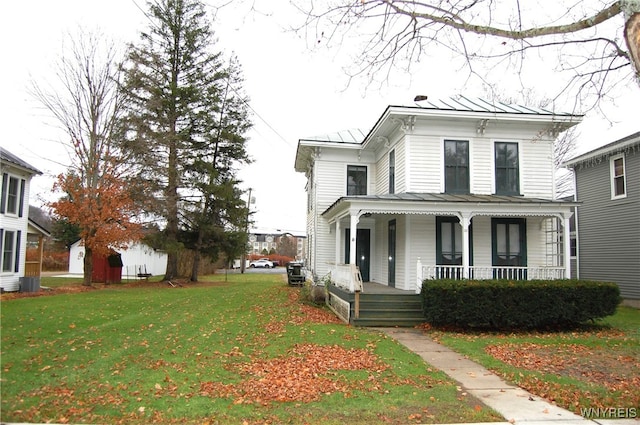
(444, 203)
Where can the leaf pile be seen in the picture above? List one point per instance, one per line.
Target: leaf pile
(307, 313)
(303, 375)
(619, 374)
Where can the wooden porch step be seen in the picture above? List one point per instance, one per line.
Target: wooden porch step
(388, 310)
(401, 308)
(387, 323)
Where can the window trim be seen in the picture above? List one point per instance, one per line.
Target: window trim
(518, 191)
(466, 190)
(612, 176)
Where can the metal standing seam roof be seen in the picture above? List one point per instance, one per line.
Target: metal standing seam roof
(476, 104)
(447, 198)
(354, 135)
(10, 158)
(458, 103)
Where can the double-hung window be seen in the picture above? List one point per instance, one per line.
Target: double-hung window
(12, 193)
(10, 248)
(507, 168)
(618, 177)
(456, 166)
(356, 180)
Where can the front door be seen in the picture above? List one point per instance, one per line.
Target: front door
(392, 253)
(363, 245)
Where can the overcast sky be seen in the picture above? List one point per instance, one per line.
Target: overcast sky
(295, 91)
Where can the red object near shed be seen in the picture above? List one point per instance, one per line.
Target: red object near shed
(107, 269)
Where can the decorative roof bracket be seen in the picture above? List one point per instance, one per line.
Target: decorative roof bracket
(482, 125)
(555, 130)
(407, 124)
(382, 139)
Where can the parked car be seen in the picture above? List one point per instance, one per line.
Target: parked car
(263, 262)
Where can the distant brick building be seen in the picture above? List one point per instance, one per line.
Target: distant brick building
(265, 241)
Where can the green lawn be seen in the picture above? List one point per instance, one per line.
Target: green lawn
(242, 351)
(594, 366)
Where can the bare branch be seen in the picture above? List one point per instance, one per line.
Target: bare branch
(455, 20)
(490, 38)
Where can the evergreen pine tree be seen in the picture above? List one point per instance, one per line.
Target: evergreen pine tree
(177, 91)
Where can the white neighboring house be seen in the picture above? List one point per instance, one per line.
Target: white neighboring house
(14, 218)
(138, 258)
(459, 187)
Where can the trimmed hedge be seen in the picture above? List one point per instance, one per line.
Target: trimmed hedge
(517, 304)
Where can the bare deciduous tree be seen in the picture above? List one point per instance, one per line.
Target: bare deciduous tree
(85, 101)
(596, 42)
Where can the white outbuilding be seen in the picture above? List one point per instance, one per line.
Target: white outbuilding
(138, 259)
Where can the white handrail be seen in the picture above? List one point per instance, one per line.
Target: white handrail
(347, 277)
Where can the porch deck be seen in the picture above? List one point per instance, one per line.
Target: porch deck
(379, 289)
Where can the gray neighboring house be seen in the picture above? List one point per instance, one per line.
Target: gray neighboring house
(607, 183)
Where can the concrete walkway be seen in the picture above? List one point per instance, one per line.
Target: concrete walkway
(515, 404)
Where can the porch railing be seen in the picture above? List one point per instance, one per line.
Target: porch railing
(346, 276)
(487, 272)
(32, 268)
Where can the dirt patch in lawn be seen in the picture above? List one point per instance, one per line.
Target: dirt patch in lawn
(614, 369)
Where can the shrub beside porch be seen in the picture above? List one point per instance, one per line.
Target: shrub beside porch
(517, 303)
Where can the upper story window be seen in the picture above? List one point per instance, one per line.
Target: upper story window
(392, 171)
(12, 189)
(456, 166)
(618, 177)
(507, 168)
(356, 180)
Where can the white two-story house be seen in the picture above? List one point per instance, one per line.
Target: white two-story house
(16, 177)
(457, 188)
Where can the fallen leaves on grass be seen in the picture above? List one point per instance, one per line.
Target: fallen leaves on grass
(303, 375)
(619, 374)
(307, 313)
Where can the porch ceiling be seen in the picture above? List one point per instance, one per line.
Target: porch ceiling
(446, 204)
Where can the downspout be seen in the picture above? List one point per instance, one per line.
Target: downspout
(315, 223)
(575, 221)
(567, 244)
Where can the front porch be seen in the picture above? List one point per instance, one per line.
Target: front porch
(374, 304)
(399, 240)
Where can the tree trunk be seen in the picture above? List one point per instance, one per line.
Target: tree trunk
(196, 258)
(172, 208)
(632, 38)
(88, 266)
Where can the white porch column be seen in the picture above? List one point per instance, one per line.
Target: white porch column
(566, 238)
(465, 220)
(338, 245)
(419, 276)
(353, 235)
